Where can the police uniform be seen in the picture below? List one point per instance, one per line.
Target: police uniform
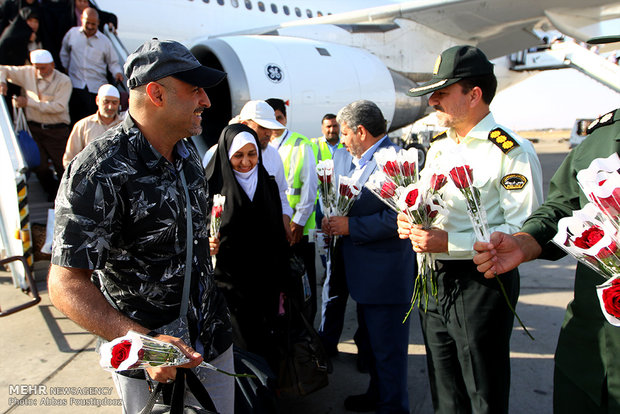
(471, 323)
(587, 364)
(467, 329)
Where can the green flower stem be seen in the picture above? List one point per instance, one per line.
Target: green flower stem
(221, 371)
(501, 286)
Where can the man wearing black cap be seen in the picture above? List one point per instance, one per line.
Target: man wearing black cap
(587, 367)
(467, 330)
(131, 246)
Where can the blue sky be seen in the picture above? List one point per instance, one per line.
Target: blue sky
(553, 99)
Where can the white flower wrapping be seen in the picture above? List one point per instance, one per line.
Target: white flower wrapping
(599, 292)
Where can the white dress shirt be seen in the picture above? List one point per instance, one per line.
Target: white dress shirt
(87, 58)
(506, 209)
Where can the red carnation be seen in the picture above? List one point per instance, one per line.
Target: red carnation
(589, 237)
(438, 181)
(120, 352)
(388, 189)
(412, 197)
(463, 176)
(391, 168)
(611, 298)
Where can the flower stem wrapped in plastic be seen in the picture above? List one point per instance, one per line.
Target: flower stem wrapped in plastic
(216, 213)
(327, 190)
(137, 351)
(463, 178)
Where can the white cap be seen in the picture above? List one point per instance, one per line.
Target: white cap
(41, 56)
(261, 113)
(108, 90)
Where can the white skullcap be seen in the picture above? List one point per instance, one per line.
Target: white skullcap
(41, 56)
(108, 90)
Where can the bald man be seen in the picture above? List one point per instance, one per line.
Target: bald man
(86, 54)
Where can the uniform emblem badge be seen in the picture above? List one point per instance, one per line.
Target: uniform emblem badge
(513, 181)
(437, 63)
(274, 73)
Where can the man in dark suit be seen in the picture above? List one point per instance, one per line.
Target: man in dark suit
(379, 267)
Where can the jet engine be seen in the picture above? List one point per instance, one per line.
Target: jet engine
(313, 77)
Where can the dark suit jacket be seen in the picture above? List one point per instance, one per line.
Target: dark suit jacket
(380, 268)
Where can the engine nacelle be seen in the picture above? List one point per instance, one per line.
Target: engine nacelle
(314, 77)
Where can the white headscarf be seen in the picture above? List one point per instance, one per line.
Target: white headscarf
(247, 180)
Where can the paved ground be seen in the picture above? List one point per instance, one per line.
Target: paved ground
(49, 364)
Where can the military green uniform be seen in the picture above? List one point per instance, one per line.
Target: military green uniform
(587, 359)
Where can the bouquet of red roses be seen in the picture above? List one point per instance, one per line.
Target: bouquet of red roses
(137, 351)
(327, 190)
(591, 234)
(422, 202)
(401, 166)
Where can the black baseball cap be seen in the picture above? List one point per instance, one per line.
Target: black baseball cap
(452, 65)
(157, 59)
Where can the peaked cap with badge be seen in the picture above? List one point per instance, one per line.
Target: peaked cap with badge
(454, 64)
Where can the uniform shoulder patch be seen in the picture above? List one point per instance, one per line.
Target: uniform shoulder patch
(513, 181)
(439, 136)
(503, 140)
(608, 118)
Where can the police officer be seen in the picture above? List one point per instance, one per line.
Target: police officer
(587, 368)
(467, 330)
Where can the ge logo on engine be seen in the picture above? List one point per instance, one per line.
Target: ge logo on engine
(274, 73)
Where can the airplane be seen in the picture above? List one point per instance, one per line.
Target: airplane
(320, 55)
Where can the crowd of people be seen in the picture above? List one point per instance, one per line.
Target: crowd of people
(53, 61)
(133, 251)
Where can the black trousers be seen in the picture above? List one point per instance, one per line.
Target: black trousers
(305, 250)
(82, 104)
(467, 338)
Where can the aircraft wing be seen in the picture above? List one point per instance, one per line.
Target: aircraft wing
(496, 26)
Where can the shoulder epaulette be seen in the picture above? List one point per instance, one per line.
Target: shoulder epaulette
(439, 136)
(503, 140)
(608, 118)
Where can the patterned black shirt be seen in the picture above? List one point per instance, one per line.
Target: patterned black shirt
(120, 211)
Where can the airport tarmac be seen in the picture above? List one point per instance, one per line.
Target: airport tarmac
(49, 363)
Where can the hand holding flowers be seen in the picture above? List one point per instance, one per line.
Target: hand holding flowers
(137, 351)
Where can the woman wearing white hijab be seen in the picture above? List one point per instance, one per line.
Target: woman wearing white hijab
(253, 259)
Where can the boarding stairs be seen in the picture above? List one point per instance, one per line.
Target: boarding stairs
(569, 55)
(15, 234)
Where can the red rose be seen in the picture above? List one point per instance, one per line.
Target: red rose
(611, 203)
(611, 299)
(589, 237)
(411, 197)
(325, 178)
(438, 181)
(216, 211)
(120, 352)
(408, 168)
(388, 189)
(391, 168)
(430, 212)
(605, 252)
(463, 176)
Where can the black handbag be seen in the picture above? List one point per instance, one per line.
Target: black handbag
(304, 365)
(177, 393)
(254, 395)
